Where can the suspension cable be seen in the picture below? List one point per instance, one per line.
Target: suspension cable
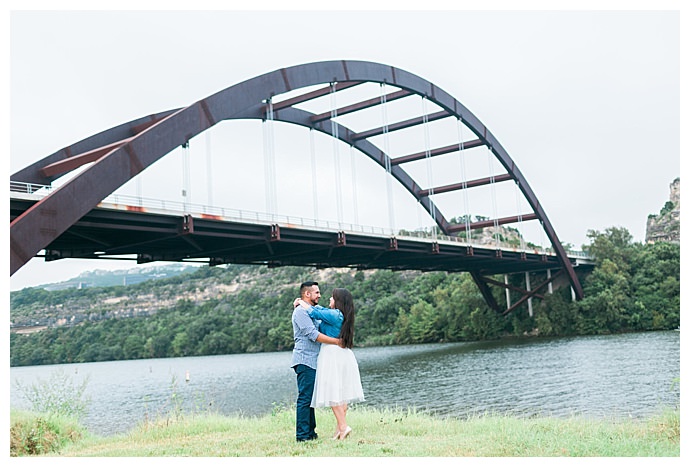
(209, 168)
(353, 170)
(494, 206)
(427, 153)
(518, 203)
(463, 176)
(186, 185)
(314, 178)
(420, 212)
(336, 155)
(138, 181)
(269, 159)
(387, 158)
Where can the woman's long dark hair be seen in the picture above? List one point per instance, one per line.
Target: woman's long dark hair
(344, 302)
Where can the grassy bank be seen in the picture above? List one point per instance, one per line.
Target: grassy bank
(398, 433)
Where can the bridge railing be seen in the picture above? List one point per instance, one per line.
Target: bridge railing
(121, 201)
(152, 204)
(30, 188)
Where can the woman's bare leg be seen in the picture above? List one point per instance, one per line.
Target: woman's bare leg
(339, 412)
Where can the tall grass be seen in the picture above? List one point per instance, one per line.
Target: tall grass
(390, 433)
(35, 434)
(57, 406)
(58, 395)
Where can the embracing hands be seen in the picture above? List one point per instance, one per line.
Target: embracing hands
(299, 301)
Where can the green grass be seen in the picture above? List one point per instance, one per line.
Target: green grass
(397, 433)
(33, 434)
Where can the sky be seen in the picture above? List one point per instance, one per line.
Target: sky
(585, 101)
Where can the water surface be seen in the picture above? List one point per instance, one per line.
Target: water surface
(630, 375)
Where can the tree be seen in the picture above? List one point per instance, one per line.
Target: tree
(157, 346)
(556, 315)
(614, 244)
(216, 343)
(483, 324)
(134, 346)
(607, 301)
(418, 326)
(385, 313)
(655, 286)
(180, 344)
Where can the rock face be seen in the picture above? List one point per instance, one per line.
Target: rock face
(665, 226)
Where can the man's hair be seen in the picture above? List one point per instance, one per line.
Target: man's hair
(306, 285)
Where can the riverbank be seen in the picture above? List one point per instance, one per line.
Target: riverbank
(387, 433)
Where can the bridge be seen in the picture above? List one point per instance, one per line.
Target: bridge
(85, 216)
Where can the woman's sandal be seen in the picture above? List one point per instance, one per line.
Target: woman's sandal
(344, 434)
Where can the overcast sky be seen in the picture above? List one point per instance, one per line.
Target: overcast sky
(587, 103)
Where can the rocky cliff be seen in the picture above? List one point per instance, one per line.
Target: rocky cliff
(665, 226)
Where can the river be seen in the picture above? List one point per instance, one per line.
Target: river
(626, 375)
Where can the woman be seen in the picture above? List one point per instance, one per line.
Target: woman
(337, 373)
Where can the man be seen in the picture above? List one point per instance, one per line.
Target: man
(304, 355)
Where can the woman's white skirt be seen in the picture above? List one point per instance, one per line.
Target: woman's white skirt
(337, 377)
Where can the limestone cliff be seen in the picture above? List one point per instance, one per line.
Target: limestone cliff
(665, 226)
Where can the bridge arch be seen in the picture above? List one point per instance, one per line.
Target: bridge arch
(122, 152)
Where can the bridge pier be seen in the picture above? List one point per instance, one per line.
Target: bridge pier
(529, 289)
(548, 276)
(505, 281)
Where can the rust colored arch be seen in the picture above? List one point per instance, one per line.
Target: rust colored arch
(120, 153)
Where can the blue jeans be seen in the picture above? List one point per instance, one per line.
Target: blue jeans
(305, 422)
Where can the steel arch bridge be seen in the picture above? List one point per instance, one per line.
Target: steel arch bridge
(120, 153)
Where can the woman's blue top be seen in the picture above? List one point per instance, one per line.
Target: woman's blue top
(331, 319)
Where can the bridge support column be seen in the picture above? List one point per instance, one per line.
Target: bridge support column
(529, 289)
(505, 281)
(548, 276)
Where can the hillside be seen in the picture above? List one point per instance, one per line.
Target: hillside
(103, 278)
(38, 308)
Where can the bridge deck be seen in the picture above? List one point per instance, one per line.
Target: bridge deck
(128, 232)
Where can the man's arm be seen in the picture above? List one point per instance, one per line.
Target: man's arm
(324, 339)
(305, 323)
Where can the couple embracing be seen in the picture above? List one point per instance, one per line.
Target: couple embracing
(326, 368)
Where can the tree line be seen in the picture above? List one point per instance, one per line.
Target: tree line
(633, 287)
